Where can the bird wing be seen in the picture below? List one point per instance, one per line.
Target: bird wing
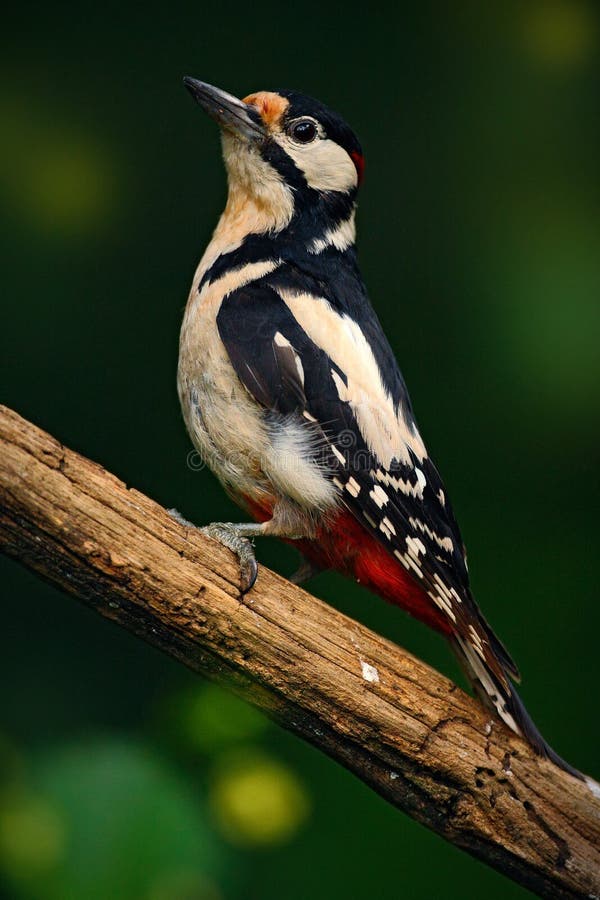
(299, 356)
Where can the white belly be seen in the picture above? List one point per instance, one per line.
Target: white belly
(227, 426)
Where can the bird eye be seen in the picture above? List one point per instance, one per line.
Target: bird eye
(303, 131)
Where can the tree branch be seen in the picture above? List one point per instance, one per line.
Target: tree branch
(402, 728)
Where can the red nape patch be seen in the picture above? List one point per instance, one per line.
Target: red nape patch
(344, 545)
(359, 161)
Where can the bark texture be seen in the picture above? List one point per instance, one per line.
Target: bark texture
(404, 729)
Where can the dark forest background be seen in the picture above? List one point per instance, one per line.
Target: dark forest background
(122, 775)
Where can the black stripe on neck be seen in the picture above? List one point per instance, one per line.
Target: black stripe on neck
(293, 242)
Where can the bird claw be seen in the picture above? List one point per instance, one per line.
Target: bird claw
(228, 535)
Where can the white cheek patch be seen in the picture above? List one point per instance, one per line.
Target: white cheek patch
(325, 165)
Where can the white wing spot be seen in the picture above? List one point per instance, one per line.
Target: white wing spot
(420, 478)
(408, 562)
(477, 642)
(353, 487)
(415, 546)
(415, 565)
(388, 529)
(487, 682)
(281, 341)
(444, 604)
(340, 456)
(443, 587)
(340, 387)
(379, 496)
(455, 595)
(399, 484)
(401, 557)
(445, 543)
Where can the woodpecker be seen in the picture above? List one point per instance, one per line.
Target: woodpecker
(291, 392)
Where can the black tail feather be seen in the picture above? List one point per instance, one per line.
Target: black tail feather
(492, 684)
(532, 735)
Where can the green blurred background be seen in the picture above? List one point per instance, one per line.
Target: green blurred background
(122, 775)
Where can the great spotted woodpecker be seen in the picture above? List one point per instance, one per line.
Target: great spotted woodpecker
(292, 394)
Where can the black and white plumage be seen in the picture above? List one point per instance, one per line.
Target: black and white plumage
(290, 389)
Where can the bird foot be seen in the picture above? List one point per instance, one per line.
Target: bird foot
(235, 538)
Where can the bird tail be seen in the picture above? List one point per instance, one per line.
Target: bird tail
(489, 669)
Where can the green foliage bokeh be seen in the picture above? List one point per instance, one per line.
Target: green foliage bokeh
(121, 774)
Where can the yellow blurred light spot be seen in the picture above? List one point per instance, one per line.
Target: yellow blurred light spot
(560, 32)
(32, 836)
(67, 187)
(53, 175)
(259, 802)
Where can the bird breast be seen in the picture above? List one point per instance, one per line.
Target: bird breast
(226, 425)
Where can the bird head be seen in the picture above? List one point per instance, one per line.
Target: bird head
(285, 151)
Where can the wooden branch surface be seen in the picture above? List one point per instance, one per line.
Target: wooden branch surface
(401, 727)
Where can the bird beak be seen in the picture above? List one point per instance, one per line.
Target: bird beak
(228, 112)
